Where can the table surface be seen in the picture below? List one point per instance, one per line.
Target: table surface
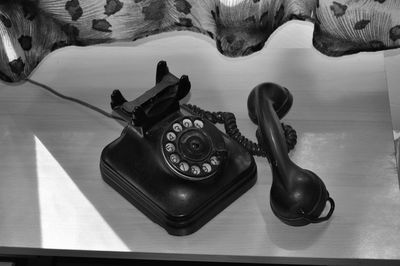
(54, 202)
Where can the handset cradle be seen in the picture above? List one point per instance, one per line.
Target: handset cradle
(154, 104)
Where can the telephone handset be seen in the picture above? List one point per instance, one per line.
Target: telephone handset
(174, 164)
(297, 196)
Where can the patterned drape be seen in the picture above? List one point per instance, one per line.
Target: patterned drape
(30, 29)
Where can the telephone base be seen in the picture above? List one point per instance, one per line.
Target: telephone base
(173, 165)
(188, 224)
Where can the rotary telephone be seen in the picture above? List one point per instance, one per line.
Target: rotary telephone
(180, 170)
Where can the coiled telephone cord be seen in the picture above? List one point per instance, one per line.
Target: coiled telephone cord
(229, 121)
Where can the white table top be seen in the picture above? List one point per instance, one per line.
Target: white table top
(54, 202)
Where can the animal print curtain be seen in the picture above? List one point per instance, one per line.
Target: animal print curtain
(31, 29)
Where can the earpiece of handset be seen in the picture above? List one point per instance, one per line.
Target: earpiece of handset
(298, 196)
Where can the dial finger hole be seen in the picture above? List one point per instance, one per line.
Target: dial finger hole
(207, 168)
(169, 147)
(198, 123)
(195, 170)
(184, 166)
(177, 127)
(171, 136)
(175, 158)
(214, 160)
(187, 123)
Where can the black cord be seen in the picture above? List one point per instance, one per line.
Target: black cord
(231, 129)
(83, 103)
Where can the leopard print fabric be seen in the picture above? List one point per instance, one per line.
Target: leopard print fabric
(31, 29)
(350, 26)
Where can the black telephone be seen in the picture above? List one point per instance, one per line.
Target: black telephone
(176, 166)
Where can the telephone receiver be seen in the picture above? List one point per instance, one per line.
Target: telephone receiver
(298, 196)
